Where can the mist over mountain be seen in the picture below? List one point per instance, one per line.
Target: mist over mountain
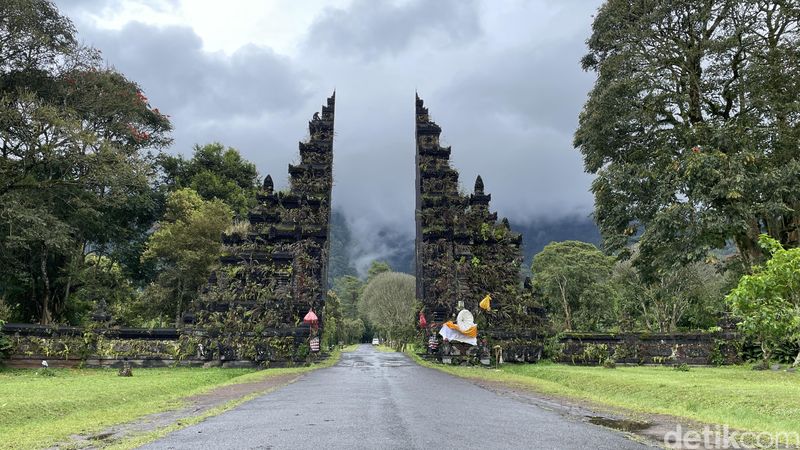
(353, 256)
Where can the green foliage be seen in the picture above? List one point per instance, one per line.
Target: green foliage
(185, 246)
(682, 367)
(377, 268)
(767, 302)
(100, 279)
(690, 297)
(570, 276)
(6, 346)
(340, 328)
(389, 303)
(74, 170)
(214, 172)
(691, 127)
(348, 290)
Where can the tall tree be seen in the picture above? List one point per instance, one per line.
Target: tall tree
(569, 276)
(75, 177)
(186, 245)
(388, 302)
(692, 126)
(214, 172)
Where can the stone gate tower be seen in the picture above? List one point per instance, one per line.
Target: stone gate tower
(274, 265)
(462, 252)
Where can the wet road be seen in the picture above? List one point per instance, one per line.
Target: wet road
(374, 400)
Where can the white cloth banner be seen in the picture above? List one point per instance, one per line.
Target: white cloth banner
(453, 335)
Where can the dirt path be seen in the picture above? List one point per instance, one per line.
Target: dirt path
(195, 407)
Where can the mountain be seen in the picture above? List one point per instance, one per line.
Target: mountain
(349, 256)
(538, 233)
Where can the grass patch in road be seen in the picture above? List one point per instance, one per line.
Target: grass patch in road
(37, 411)
(384, 348)
(737, 396)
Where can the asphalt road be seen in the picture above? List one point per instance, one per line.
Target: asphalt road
(375, 400)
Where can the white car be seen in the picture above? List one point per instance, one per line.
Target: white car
(376, 341)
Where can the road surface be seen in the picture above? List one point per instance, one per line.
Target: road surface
(374, 400)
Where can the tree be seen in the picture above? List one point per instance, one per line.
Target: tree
(691, 127)
(348, 289)
(389, 303)
(338, 327)
(569, 276)
(767, 302)
(214, 172)
(186, 245)
(74, 175)
(100, 280)
(377, 268)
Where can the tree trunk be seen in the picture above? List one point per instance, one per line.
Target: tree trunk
(68, 284)
(565, 303)
(45, 317)
(796, 360)
(748, 246)
(180, 306)
(766, 353)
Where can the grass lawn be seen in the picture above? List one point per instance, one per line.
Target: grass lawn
(37, 411)
(737, 396)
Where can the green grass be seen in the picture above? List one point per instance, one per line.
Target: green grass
(37, 411)
(737, 396)
(384, 348)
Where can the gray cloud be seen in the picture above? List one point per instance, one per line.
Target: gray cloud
(249, 99)
(171, 65)
(502, 78)
(372, 29)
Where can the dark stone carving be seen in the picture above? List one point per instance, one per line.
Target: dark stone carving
(463, 253)
(276, 270)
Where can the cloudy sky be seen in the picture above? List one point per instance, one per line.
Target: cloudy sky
(501, 77)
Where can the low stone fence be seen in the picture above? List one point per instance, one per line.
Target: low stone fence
(648, 348)
(63, 346)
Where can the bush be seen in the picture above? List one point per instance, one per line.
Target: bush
(5, 343)
(768, 302)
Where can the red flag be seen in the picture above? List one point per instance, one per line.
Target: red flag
(422, 322)
(311, 318)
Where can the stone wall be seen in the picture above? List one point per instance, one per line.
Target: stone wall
(648, 348)
(167, 347)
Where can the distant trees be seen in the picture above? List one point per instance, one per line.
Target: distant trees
(340, 327)
(585, 290)
(569, 276)
(691, 127)
(363, 315)
(389, 303)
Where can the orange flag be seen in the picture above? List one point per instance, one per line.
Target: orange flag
(486, 303)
